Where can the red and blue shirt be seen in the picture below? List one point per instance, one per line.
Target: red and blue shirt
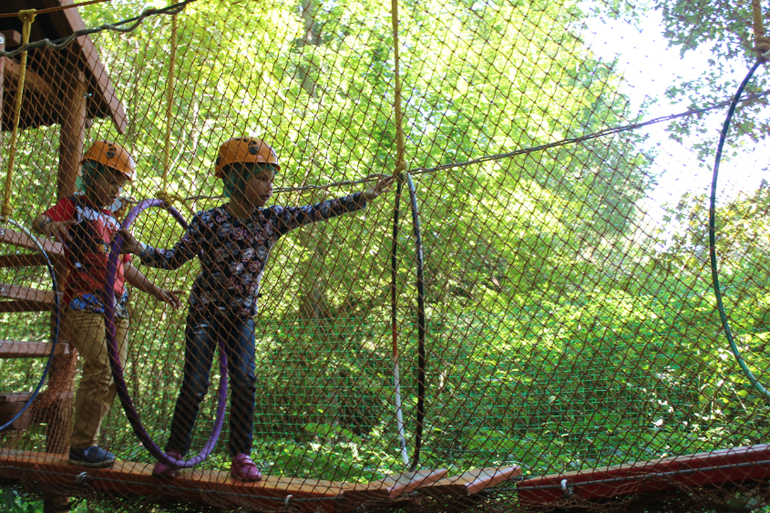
(87, 254)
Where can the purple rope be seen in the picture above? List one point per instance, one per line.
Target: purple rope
(108, 296)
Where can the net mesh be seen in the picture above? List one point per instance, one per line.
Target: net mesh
(561, 154)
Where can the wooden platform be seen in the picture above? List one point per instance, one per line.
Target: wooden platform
(738, 465)
(21, 349)
(54, 473)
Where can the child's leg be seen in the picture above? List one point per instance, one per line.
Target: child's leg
(239, 345)
(200, 340)
(97, 389)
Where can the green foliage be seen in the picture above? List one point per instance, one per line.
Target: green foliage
(563, 334)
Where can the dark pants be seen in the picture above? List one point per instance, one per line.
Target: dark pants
(200, 341)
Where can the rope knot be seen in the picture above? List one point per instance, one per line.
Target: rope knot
(169, 198)
(762, 46)
(27, 15)
(166, 197)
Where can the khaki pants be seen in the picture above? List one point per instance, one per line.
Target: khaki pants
(97, 389)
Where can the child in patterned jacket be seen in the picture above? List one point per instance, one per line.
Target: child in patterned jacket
(233, 243)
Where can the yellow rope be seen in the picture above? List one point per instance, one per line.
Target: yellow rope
(400, 144)
(169, 102)
(27, 17)
(761, 41)
(164, 194)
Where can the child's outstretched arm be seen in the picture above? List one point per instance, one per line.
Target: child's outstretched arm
(135, 278)
(294, 217)
(184, 250)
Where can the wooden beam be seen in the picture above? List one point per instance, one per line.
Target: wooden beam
(12, 38)
(9, 410)
(23, 260)
(33, 83)
(3, 46)
(394, 486)
(73, 133)
(472, 481)
(212, 487)
(737, 466)
(21, 349)
(22, 240)
(25, 306)
(26, 294)
(15, 397)
(69, 21)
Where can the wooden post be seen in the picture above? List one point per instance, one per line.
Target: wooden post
(73, 132)
(71, 142)
(2, 82)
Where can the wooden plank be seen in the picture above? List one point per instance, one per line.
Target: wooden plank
(22, 260)
(212, 487)
(15, 397)
(394, 486)
(22, 240)
(33, 83)
(9, 410)
(12, 38)
(22, 349)
(737, 465)
(25, 306)
(18, 292)
(472, 481)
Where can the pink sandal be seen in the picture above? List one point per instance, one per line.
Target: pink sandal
(243, 469)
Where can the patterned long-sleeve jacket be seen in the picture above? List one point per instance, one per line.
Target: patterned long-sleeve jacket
(233, 252)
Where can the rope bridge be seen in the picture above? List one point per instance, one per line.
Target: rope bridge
(525, 321)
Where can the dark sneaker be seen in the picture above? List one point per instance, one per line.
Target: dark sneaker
(243, 469)
(166, 471)
(91, 457)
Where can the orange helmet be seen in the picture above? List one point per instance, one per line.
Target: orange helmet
(244, 149)
(112, 155)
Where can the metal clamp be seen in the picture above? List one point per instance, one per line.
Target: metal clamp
(567, 489)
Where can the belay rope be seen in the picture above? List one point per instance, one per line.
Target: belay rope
(163, 193)
(134, 419)
(27, 17)
(402, 176)
(762, 46)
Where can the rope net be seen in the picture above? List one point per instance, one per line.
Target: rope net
(563, 207)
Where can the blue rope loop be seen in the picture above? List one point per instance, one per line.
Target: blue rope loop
(712, 237)
(57, 317)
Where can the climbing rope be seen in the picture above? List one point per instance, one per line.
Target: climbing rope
(26, 17)
(108, 295)
(163, 193)
(712, 237)
(400, 166)
(404, 177)
(761, 41)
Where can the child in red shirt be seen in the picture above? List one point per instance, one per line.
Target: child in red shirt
(86, 226)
